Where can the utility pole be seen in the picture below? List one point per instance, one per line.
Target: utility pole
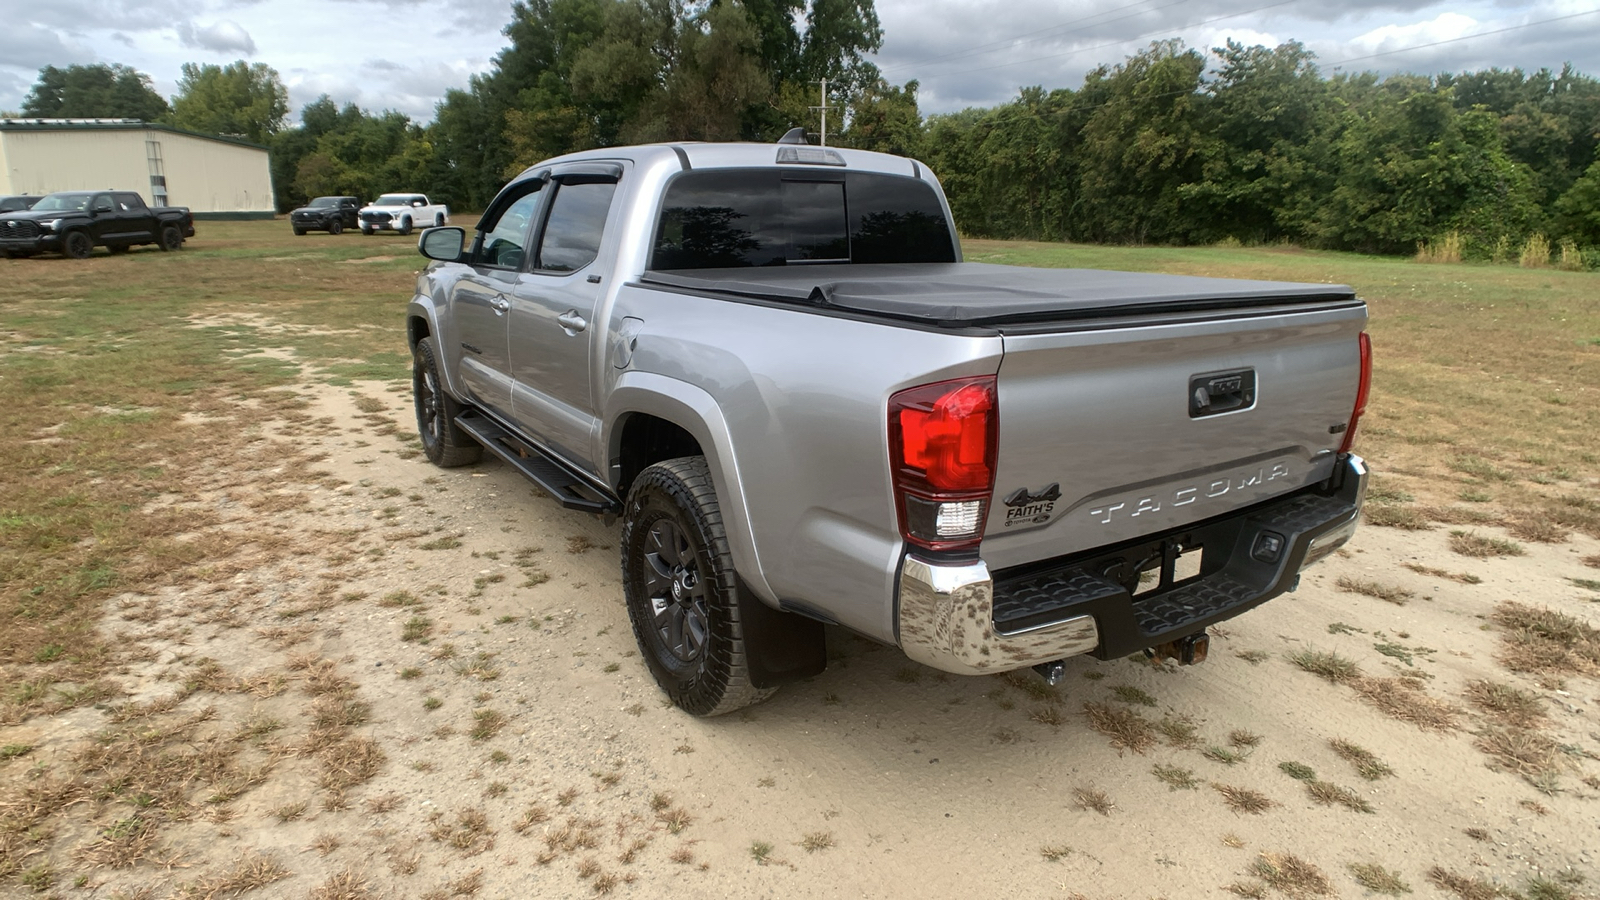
(824, 110)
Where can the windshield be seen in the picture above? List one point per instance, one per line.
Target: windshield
(324, 202)
(394, 200)
(64, 202)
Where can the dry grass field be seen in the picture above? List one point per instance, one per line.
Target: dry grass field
(253, 645)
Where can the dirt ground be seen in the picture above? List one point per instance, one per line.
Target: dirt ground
(425, 685)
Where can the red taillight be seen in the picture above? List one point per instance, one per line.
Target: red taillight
(942, 440)
(1361, 394)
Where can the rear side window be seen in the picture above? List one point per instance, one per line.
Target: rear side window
(734, 218)
(571, 237)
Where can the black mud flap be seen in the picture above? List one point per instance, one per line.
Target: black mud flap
(780, 647)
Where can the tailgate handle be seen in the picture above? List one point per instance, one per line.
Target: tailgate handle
(1220, 392)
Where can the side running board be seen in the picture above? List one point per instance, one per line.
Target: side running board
(551, 475)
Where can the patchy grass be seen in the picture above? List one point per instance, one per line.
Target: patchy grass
(1327, 794)
(1366, 763)
(1378, 879)
(1524, 751)
(1370, 588)
(1297, 771)
(1055, 852)
(1291, 875)
(1477, 546)
(1127, 729)
(1180, 731)
(1407, 700)
(1244, 800)
(1326, 665)
(1132, 696)
(1093, 800)
(1540, 640)
(1384, 515)
(1459, 577)
(1462, 886)
(1175, 778)
(1506, 704)
(817, 841)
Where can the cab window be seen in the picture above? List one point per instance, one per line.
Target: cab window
(505, 244)
(571, 238)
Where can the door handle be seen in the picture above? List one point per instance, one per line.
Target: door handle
(572, 322)
(500, 305)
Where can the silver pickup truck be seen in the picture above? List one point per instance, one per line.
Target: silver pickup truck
(771, 363)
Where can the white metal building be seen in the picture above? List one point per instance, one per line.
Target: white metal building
(216, 177)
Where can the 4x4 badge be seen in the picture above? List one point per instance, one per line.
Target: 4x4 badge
(1029, 507)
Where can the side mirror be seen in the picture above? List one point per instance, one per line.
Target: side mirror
(444, 244)
(416, 203)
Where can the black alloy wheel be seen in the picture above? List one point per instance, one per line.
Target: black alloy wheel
(444, 443)
(171, 238)
(682, 591)
(77, 244)
(676, 592)
(335, 227)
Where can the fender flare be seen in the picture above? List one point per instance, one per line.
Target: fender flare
(695, 411)
(423, 307)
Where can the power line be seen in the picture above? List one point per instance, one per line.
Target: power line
(1136, 37)
(1465, 37)
(1035, 35)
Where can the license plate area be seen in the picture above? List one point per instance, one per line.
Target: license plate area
(1172, 563)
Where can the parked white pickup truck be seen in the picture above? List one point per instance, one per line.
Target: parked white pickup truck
(402, 212)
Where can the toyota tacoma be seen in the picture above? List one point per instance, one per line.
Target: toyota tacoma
(773, 366)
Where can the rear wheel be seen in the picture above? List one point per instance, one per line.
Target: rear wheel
(77, 244)
(445, 444)
(335, 227)
(682, 591)
(438, 219)
(171, 238)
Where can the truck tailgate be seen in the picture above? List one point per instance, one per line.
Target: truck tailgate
(1122, 427)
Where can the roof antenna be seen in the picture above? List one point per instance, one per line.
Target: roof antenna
(794, 136)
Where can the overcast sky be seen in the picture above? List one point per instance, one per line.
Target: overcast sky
(404, 54)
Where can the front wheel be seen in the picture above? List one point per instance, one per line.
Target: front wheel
(445, 444)
(366, 231)
(404, 227)
(299, 232)
(77, 244)
(682, 591)
(171, 238)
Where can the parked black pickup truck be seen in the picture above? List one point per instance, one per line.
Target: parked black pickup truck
(330, 214)
(73, 223)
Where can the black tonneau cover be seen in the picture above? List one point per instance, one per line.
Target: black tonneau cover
(979, 294)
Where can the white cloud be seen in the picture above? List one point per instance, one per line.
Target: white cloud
(1397, 37)
(222, 37)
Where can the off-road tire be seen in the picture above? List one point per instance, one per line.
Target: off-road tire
(336, 227)
(445, 444)
(77, 244)
(171, 239)
(404, 228)
(678, 495)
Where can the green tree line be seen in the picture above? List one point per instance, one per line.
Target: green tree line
(1173, 145)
